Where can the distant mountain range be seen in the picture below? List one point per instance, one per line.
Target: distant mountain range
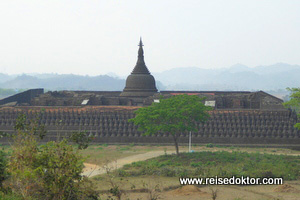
(63, 82)
(236, 77)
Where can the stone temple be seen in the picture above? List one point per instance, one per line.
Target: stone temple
(238, 118)
(140, 83)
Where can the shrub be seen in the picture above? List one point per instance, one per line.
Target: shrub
(3, 166)
(132, 145)
(168, 172)
(59, 169)
(196, 164)
(51, 171)
(124, 149)
(122, 173)
(10, 196)
(221, 163)
(81, 138)
(210, 145)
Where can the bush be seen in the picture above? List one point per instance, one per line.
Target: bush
(3, 166)
(10, 196)
(121, 173)
(81, 138)
(210, 145)
(168, 172)
(221, 163)
(59, 170)
(50, 171)
(196, 164)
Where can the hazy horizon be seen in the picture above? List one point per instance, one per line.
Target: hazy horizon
(99, 37)
(113, 74)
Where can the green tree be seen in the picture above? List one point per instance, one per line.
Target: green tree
(81, 138)
(59, 169)
(294, 102)
(174, 115)
(50, 171)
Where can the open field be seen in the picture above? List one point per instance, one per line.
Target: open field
(169, 188)
(100, 154)
(140, 187)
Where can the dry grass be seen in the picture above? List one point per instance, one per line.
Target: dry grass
(134, 187)
(98, 154)
(170, 189)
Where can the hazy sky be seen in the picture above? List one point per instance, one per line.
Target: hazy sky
(96, 37)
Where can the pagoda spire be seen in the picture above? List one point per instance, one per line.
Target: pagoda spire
(141, 43)
(140, 83)
(140, 67)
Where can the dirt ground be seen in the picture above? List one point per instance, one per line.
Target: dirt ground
(289, 191)
(116, 159)
(91, 170)
(223, 193)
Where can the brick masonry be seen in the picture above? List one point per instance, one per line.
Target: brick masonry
(109, 124)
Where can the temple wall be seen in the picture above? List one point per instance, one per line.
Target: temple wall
(109, 124)
(22, 97)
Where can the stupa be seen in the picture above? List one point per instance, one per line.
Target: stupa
(140, 83)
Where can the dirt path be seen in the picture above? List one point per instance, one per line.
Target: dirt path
(91, 170)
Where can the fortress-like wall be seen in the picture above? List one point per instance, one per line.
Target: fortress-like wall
(109, 124)
(23, 97)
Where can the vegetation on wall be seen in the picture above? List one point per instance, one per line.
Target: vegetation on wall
(294, 102)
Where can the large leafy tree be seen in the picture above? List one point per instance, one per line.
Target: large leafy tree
(294, 102)
(173, 115)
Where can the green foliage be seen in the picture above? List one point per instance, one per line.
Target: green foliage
(59, 169)
(123, 148)
(132, 144)
(10, 196)
(294, 102)
(4, 134)
(3, 166)
(115, 191)
(23, 180)
(50, 171)
(30, 128)
(174, 115)
(81, 138)
(209, 145)
(221, 163)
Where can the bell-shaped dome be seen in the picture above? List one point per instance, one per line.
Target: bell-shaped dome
(140, 83)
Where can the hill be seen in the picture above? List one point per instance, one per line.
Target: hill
(273, 79)
(236, 77)
(65, 82)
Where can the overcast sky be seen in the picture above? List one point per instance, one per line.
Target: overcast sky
(96, 37)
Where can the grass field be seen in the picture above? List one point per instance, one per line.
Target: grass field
(142, 187)
(254, 161)
(219, 163)
(98, 154)
(158, 177)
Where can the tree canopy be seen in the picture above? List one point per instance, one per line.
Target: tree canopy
(173, 115)
(294, 102)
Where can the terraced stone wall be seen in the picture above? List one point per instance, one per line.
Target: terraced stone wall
(109, 124)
